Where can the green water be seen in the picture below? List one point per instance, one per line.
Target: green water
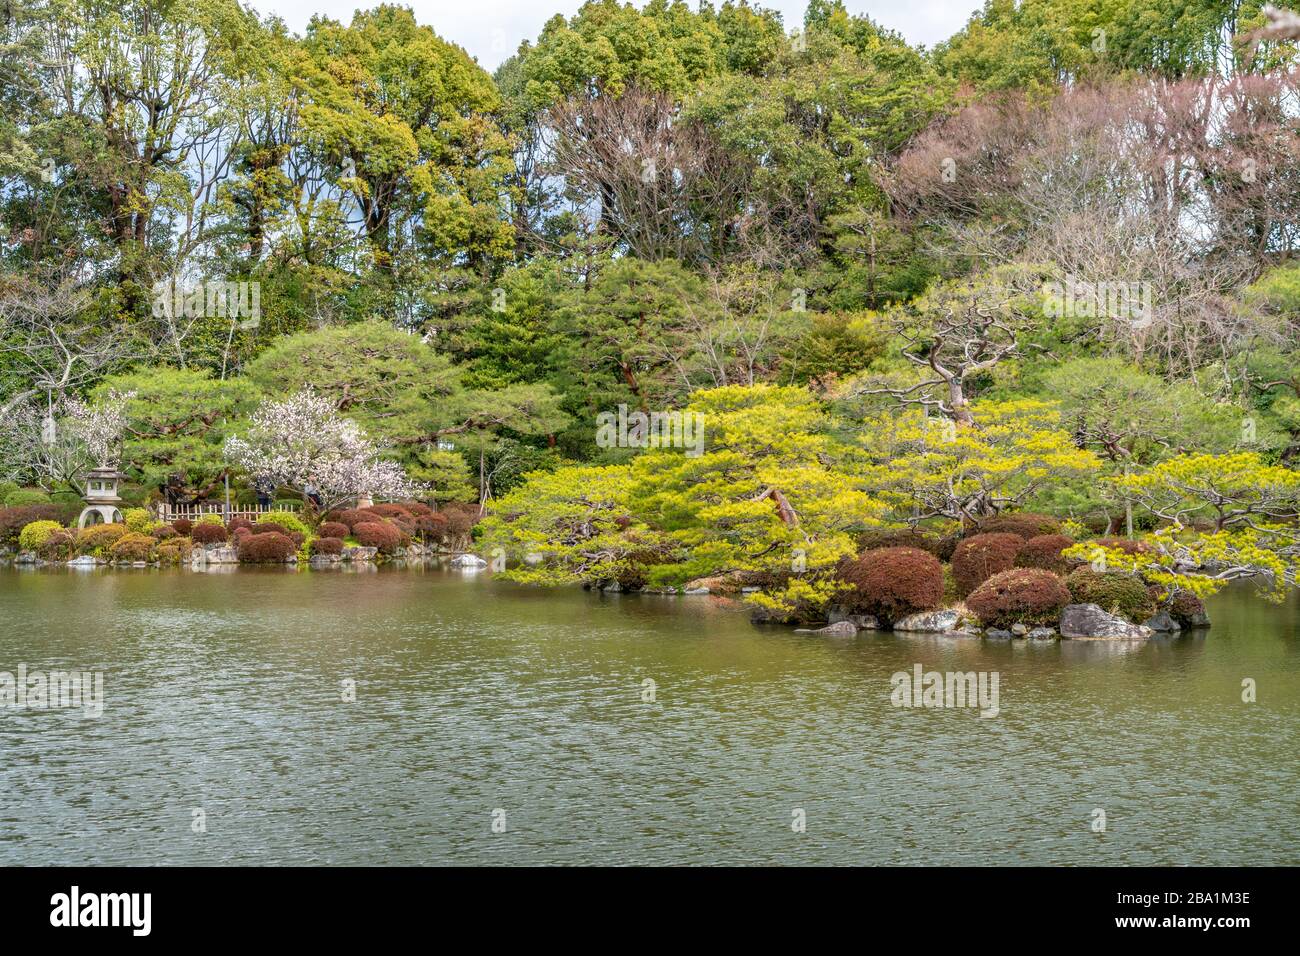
(224, 694)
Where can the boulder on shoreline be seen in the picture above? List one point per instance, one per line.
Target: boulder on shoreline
(1088, 622)
(930, 622)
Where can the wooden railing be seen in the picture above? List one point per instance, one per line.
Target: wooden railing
(169, 513)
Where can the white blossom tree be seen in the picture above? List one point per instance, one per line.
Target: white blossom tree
(303, 442)
(56, 446)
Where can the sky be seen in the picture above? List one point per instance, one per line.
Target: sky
(491, 30)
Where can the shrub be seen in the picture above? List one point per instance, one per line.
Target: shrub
(386, 537)
(211, 518)
(139, 520)
(1187, 609)
(207, 533)
(350, 517)
(1019, 596)
(461, 518)
(58, 546)
(24, 497)
(327, 546)
(270, 527)
(183, 526)
(1127, 545)
(1025, 524)
(892, 583)
(899, 538)
(1112, 591)
(1045, 552)
(133, 546)
(33, 535)
(417, 508)
(234, 524)
(431, 526)
(98, 538)
(285, 521)
(13, 520)
(174, 550)
(980, 557)
(333, 529)
(270, 547)
(389, 511)
(163, 532)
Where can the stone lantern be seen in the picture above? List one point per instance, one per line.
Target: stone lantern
(101, 497)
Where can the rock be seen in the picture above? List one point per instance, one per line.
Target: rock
(690, 590)
(27, 557)
(1088, 622)
(750, 590)
(1019, 630)
(1161, 621)
(613, 587)
(664, 590)
(717, 584)
(358, 553)
(863, 622)
(930, 621)
(838, 629)
(205, 554)
(86, 561)
(325, 560)
(1042, 634)
(468, 561)
(997, 634)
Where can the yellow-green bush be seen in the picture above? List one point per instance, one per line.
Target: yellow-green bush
(139, 520)
(34, 534)
(286, 520)
(133, 547)
(98, 538)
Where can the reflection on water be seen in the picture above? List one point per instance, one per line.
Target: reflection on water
(224, 692)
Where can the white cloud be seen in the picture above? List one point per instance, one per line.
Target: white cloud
(491, 30)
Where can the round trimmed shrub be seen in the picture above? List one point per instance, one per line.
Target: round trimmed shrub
(184, 526)
(98, 538)
(1044, 552)
(350, 517)
(1112, 591)
(163, 532)
(1026, 524)
(139, 520)
(1187, 609)
(891, 583)
(286, 521)
(33, 535)
(386, 537)
(25, 497)
(271, 547)
(898, 538)
(1019, 596)
(978, 558)
(133, 546)
(431, 526)
(210, 518)
(206, 533)
(58, 546)
(333, 529)
(327, 546)
(13, 520)
(238, 522)
(174, 550)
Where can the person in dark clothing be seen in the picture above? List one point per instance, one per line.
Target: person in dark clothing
(264, 490)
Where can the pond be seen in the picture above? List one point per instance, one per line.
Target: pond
(498, 724)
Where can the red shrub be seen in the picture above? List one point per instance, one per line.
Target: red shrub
(417, 508)
(386, 537)
(1025, 524)
(904, 538)
(979, 558)
(892, 583)
(388, 511)
(461, 518)
(333, 529)
(163, 532)
(1019, 596)
(269, 547)
(207, 533)
(431, 526)
(183, 526)
(1045, 552)
(13, 520)
(327, 546)
(350, 517)
(239, 522)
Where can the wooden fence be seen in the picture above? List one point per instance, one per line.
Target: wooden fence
(168, 513)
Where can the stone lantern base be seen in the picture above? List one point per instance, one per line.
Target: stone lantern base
(99, 514)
